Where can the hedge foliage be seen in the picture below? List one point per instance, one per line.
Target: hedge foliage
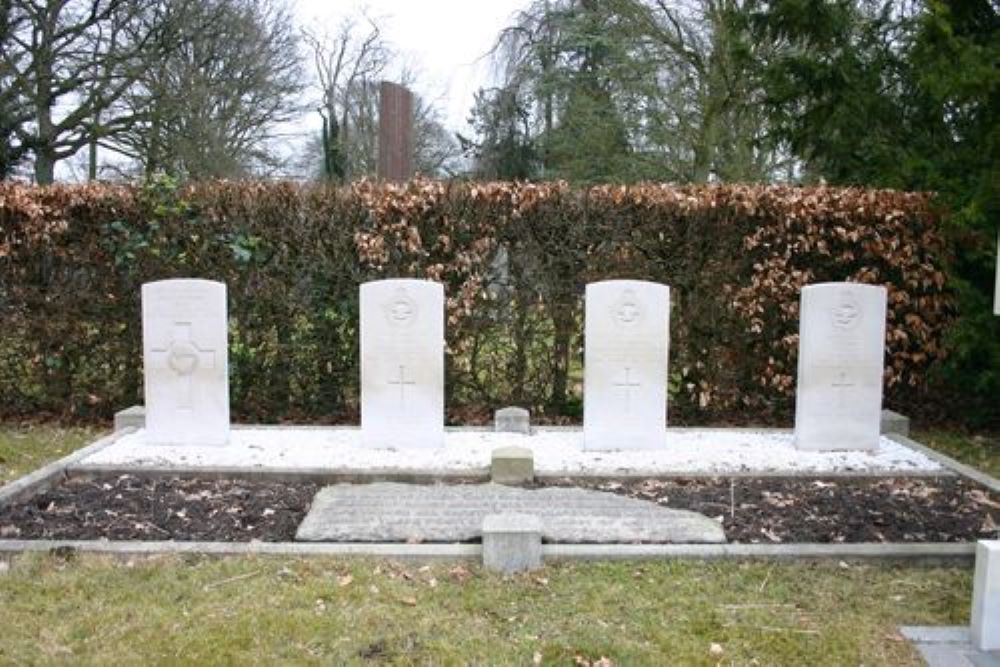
(514, 259)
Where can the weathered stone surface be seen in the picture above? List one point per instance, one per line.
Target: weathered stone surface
(133, 417)
(185, 362)
(893, 422)
(838, 398)
(402, 364)
(512, 465)
(986, 596)
(625, 365)
(512, 542)
(388, 512)
(512, 420)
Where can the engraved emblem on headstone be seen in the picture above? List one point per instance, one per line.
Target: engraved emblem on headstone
(185, 362)
(627, 310)
(402, 363)
(627, 385)
(402, 382)
(847, 313)
(838, 395)
(842, 384)
(183, 356)
(401, 310)
(626, 336)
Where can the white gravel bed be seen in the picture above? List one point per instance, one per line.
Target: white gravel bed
(557, 451)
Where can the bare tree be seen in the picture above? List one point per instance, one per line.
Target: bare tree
(210, 107)
(347, 66)
(63, 64)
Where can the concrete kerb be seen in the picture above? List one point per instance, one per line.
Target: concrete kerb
(913, 554)
(368, 475)
(286, 475)
(49, 475)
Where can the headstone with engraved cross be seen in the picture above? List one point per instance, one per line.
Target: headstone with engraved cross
(402, 364)
(625, 365)
(185, 362)
(838, 402)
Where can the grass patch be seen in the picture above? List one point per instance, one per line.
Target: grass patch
(94, 609)
(981, 451)
(26, 448)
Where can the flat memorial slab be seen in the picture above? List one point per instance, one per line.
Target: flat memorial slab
(556, 452)
(388, 512)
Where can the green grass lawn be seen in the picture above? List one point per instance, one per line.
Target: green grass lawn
(94, 610)
(26, 448)
(980, 451)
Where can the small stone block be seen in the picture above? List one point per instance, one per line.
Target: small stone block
(512, 465)
(893, 422)
(512, 542)
(512, 420)
(133, 417)
(986, 596)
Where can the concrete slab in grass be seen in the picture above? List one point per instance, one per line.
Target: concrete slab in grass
(512, 543)
(398, 512)
(948, 646)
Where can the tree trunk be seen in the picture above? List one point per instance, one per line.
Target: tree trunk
(45, 165)
(562, 320)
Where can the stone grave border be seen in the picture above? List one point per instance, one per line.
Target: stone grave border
(930, 553)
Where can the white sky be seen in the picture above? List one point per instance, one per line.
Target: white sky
(442, 41)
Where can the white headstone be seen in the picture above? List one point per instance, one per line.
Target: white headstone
(402, 364)
(986, 596)
(838, 398)
(185, 362)
(627, 333)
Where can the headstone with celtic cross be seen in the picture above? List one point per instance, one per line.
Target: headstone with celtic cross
(184, 340)
(402, 364)
(838, 401)
(627, 332)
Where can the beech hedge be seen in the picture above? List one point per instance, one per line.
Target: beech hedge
(514, 259)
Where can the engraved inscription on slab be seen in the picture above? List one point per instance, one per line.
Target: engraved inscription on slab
(402, 364)
(185, 366)
(841, 352)
(625, 365)
(387, 512)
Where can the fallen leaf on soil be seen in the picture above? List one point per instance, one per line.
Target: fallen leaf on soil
(980, 497)
(769, 534)
(459, 573)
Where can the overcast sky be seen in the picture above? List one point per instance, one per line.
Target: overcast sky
(443, 41)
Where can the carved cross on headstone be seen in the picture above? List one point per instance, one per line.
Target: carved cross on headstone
(842, 384)
(402, 382)
(627, 386)
(184, 357)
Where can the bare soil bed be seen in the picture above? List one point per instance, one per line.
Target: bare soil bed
(775, 510)
(767, 510)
